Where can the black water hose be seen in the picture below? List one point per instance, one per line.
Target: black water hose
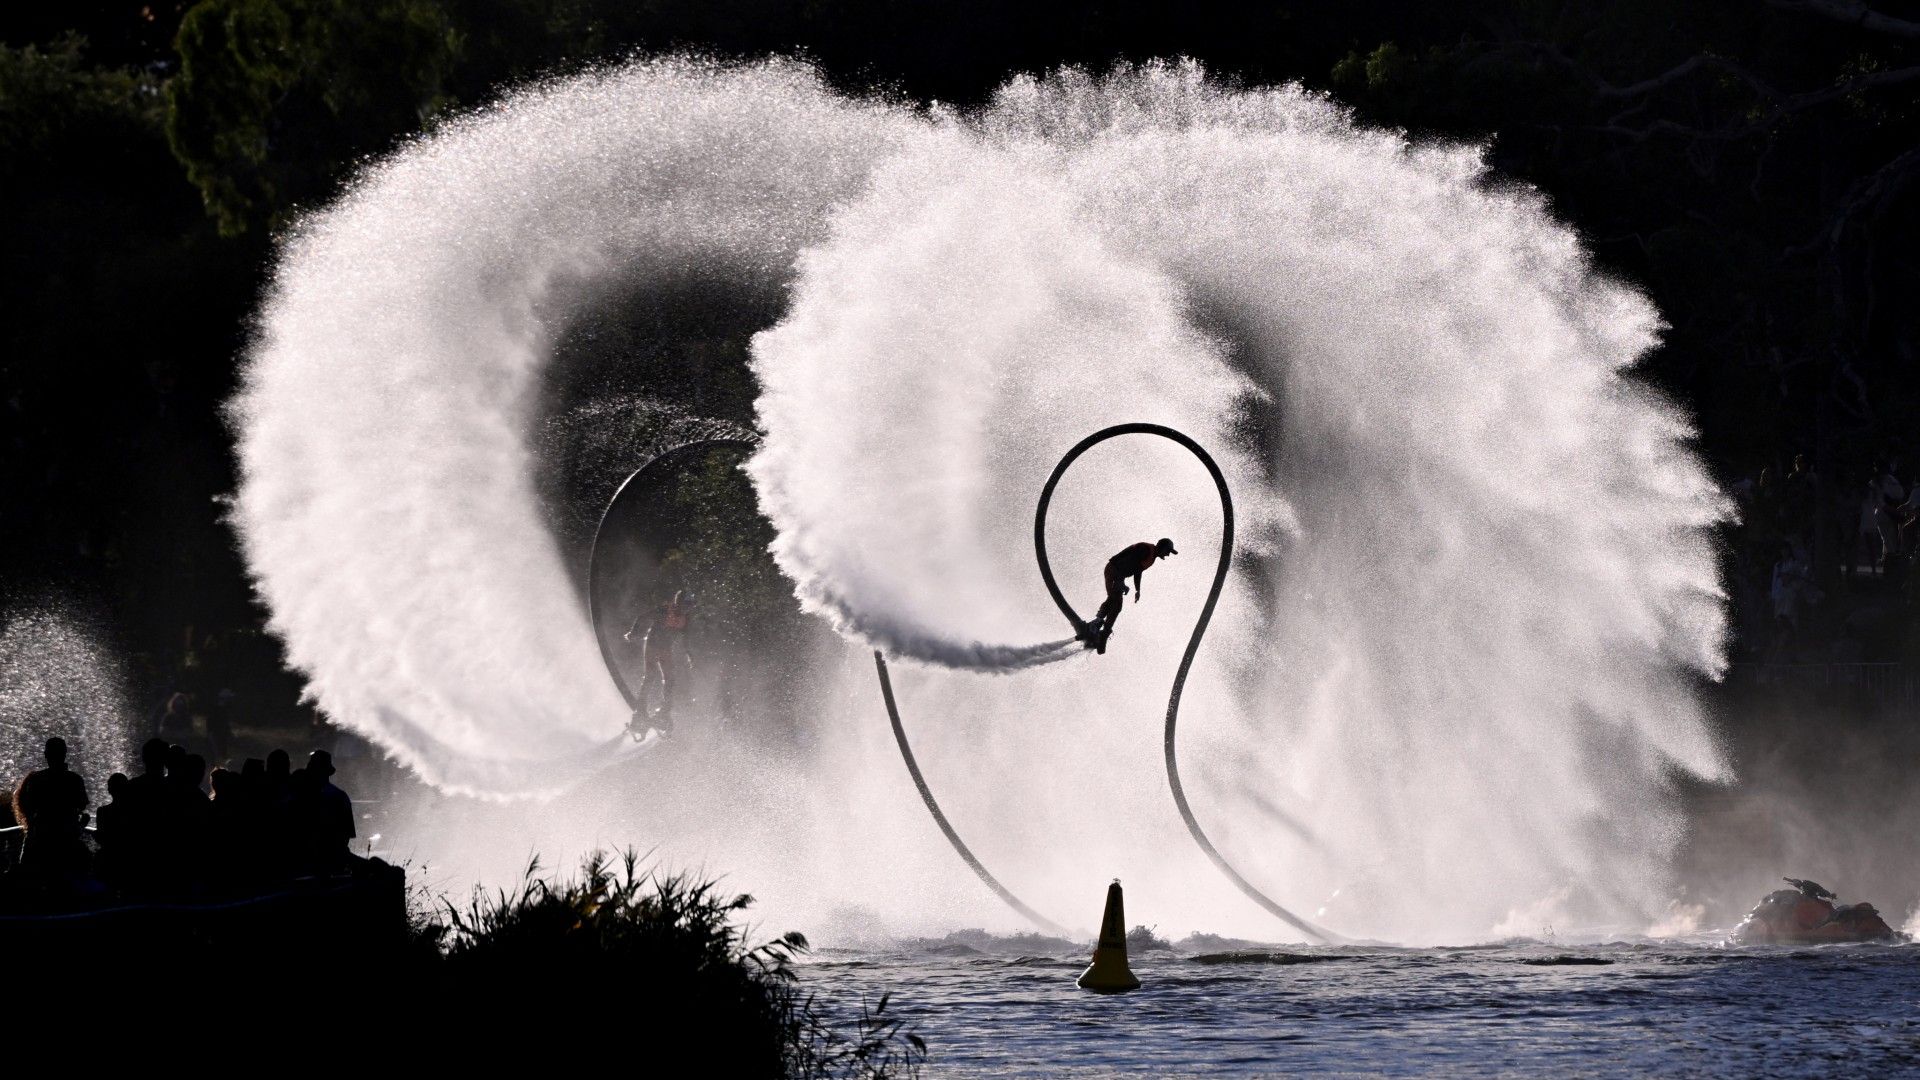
(1193, 643)
(926, 795)
(670, 456)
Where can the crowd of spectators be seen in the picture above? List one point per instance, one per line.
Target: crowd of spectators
(174, 832)
(1803, 536)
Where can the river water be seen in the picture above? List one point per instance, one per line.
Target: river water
(1520, 1008)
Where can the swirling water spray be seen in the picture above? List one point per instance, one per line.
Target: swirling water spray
(1454, 674)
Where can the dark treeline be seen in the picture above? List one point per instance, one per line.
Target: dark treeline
(1750, 163)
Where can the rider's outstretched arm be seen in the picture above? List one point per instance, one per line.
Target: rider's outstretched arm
(1136, 586)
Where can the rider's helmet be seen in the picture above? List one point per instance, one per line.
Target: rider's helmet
(1165, 547)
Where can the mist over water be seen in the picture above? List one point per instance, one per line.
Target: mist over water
(1449, 687)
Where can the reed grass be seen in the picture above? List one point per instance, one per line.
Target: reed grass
(657, 961)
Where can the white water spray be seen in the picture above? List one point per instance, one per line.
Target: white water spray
(1451, 677)
(387, 503)
(58, 678)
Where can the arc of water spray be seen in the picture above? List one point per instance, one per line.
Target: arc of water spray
(1193, 643)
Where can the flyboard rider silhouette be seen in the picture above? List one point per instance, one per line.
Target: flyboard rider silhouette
(1132, 561)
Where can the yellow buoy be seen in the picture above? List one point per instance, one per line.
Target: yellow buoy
(1109, 974)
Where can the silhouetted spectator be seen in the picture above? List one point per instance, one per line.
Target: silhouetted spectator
(51, 804)
(176, 723)
(1906, 516)
(1797, 492)
(253, 783)
(152, 780)
(1792, 592)
(196, 774)
(276, 809)
(1885, 494)
(110, 831)
(232, 853)
(188, 816)
(279, 777)
(324, 816)
(147, 856)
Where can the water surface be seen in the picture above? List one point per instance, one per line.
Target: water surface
(1524, 1008)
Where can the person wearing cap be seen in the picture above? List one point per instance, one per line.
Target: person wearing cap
(1132, 561)
(328, 813)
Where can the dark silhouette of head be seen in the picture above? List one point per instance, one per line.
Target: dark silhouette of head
(320, 766)
(279, 764)
(153, 754)
(117, 785)
(196, 769)
(1165, 547)
(57, 752)
(225, 784)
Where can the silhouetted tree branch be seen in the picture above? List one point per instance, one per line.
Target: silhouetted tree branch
(1853, 13)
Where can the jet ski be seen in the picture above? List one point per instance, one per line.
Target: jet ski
(1807, 915)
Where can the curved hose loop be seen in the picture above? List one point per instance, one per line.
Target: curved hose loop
(940, 819)
(1193, 643)
(671, 456)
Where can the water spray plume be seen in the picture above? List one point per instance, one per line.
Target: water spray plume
(59, 677)
(1476, 581)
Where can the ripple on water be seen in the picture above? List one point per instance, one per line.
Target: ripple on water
(1644, 1010)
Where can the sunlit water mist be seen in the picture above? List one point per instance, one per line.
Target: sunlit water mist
(57, 677)
(1447, 690)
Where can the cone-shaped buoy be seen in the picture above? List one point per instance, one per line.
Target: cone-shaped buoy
(1109, 974)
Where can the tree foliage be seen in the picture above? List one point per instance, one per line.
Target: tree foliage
(276, 100)
(1749, 164)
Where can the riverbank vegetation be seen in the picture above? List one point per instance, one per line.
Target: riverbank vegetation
(655, 960)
